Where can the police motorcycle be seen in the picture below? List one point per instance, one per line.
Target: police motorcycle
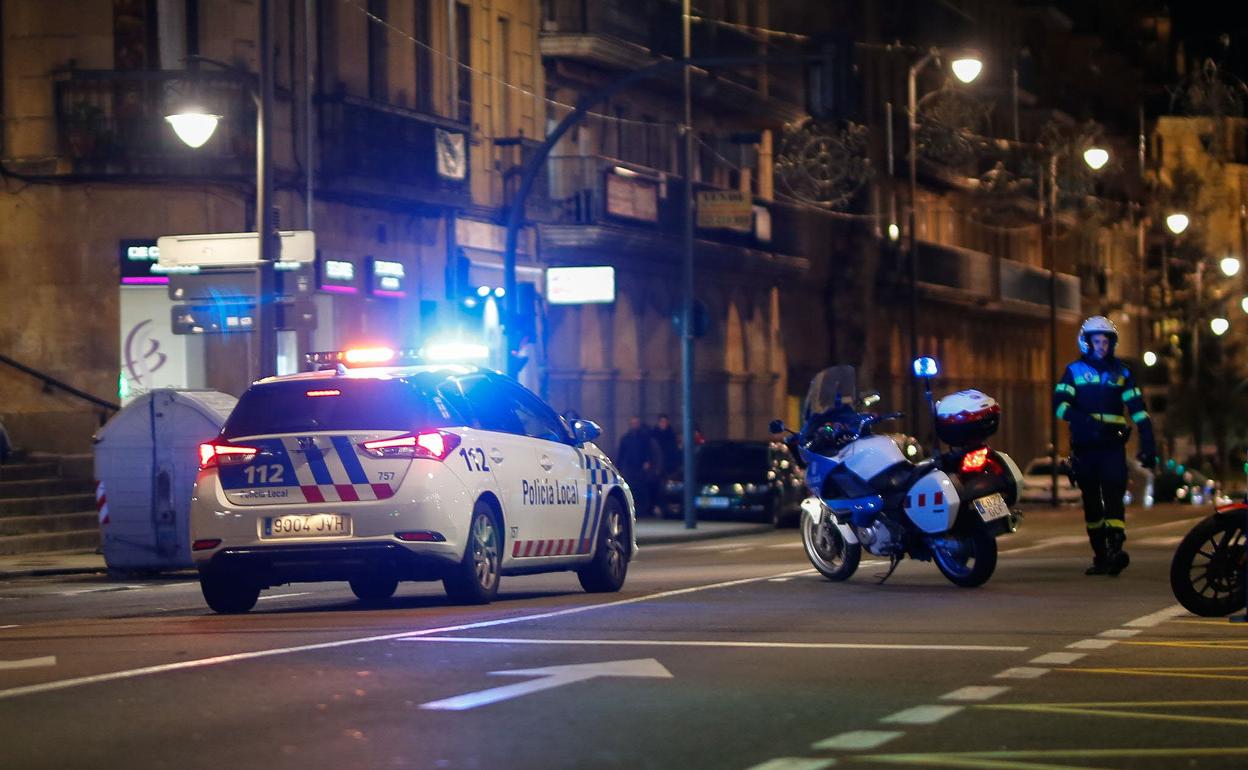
(1207, 573)
(866, 495)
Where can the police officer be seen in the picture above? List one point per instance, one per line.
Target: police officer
(1092, 396)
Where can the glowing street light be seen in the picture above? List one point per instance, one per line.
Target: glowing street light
(1219, 326)
(1177, 222)
(1230, 266)
(967, 69)
(1150, 358)
(1096, 157)
(1243, 303)
(193, 127)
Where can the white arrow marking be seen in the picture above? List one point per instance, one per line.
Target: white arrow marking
(552, 676)
(9, 665)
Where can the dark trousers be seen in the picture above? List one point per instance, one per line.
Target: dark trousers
(1102, 477)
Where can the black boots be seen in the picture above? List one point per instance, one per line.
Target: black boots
(1108, 558)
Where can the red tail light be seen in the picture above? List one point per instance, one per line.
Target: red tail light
(433, 444)
(222, 452)
(975, 460)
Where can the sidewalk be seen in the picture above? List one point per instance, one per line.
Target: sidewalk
(649, 532)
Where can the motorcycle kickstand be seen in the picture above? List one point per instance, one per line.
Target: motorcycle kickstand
(894, 560)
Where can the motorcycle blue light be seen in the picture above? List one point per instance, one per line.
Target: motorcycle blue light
(926, 367)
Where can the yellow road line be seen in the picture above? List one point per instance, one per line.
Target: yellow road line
(1016, 760)
(1105, 710)
(1183, 673)
(1196, 644)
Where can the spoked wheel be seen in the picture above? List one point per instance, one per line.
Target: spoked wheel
(606, 573)
(827, 549)
(966, 559)
(1207, 572)
(475, 579)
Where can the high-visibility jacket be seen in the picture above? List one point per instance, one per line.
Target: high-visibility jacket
(1098, 398)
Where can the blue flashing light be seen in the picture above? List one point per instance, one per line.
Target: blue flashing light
(500, 292)
(483, 291)
(470, 301)
(926, 367)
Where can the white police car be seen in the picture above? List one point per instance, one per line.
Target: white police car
(386, 473)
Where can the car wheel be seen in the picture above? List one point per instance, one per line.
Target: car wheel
(374, 588)
(227, 594)
(475, 579)
(606, 572)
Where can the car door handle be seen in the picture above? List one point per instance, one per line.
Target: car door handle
(496, 456)
(546, 463)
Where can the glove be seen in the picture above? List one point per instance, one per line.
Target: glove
(1147, 458)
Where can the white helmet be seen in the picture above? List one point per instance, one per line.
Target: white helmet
(1097, 324)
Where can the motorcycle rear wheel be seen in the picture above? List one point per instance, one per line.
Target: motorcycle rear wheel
(1207, 571)
(966, 559)
(828, 551)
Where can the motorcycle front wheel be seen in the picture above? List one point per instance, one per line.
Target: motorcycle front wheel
(827, 550)
(966, 559)
(1207, 572)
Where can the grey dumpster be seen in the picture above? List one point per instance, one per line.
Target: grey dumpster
(146, 458)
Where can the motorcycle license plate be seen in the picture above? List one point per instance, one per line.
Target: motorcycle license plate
(992, 507)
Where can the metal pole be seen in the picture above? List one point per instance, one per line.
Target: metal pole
(308, 80)
(1197, 322)
(266, 310)
(686, 303)
(892, 187)
(1014, 94)
(911, 103)
(1053, 320)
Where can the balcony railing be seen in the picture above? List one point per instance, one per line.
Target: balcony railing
(113, 122)
(360, 138)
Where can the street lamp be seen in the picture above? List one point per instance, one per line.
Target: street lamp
(1177, 222)
(1150, 358)
(195, 127)
(1219, 325)
(1230, 266)
(966, 69)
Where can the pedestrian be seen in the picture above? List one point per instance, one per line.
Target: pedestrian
(669, 445)
(1091, 396)
(639, 459)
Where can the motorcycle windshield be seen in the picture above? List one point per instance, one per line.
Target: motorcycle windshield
(830, 388)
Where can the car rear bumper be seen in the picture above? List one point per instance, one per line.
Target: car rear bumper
(277, 564)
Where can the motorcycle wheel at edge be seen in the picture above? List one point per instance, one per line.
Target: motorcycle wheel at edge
(965, 558)
(1206, 573)
(827, 550)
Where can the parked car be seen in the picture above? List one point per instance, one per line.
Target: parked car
(1038, 482)
(757, 480)
(1179, 484)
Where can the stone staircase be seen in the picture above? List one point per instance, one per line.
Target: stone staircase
(47, 503)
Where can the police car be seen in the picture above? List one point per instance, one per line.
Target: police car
(375, 473)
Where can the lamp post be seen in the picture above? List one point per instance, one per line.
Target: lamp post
(965, 69)
(1095, 158)
(196, 127)
(1219, 326)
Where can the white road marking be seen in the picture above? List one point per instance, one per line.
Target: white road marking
(779, 580)
(1051, 542)
(99, 590)
(1019, 672)
(11, 625)
(794, 763)
(921, 715)
(1092, 644)
(284, 596)
(974, 693)
(551, 676)
(222, 659)
(9, 665)
(714, 643)
(1119, 633)
(858, 739)
(1058, 658)
(1157, 618)
(1162, 541)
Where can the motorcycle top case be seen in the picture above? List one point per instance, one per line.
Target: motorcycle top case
(967, 418)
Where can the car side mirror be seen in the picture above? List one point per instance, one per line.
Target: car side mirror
(585, 430)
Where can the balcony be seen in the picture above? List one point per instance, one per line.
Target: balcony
(113, 123)
(378, 147)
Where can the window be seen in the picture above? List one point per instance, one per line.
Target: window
(502, 72)
(423, 32)
(491, 407)
(539, 420)
(463, 56)
(378, 50)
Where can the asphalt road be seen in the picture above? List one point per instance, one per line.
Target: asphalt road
(729, 653)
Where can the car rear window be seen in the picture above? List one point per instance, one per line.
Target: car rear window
(732, 459)
(359, 404)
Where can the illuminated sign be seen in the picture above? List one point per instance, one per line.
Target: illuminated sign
(337, 276)
(580, 285)
(140, 264)
(386, 278)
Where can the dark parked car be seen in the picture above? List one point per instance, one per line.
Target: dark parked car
(742, 480)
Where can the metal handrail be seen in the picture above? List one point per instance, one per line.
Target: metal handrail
(51, 382)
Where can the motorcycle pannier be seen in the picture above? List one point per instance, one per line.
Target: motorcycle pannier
(967, 418)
